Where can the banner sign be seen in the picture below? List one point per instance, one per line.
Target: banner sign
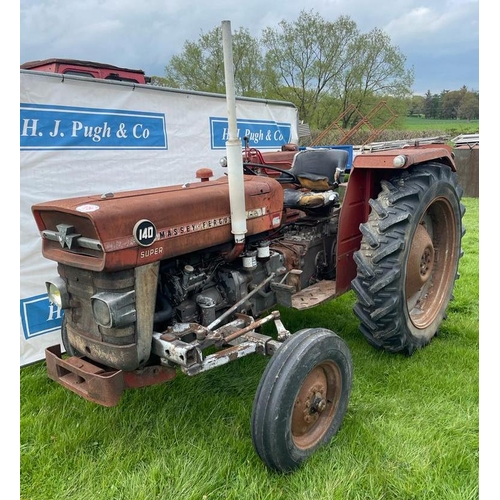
(67, 127)
(39, 316)
(81, 136)
(261, 134)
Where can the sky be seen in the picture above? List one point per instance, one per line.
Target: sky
(439, 38)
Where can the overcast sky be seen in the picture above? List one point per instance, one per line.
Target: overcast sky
(440, 38)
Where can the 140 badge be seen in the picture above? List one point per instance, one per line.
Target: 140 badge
(144, 233)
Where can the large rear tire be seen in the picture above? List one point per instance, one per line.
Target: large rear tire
(408, 259)
(302, 398)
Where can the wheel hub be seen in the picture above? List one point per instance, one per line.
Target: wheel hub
(314, 405)
(420, 262)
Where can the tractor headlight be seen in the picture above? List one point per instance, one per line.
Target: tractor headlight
(58, 292)
(399, 161)
(114, 310)
(223, 162)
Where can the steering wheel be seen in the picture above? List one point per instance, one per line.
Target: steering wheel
(247, 167)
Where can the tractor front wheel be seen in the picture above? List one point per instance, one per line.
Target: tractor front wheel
(408, 259)
(302, 398)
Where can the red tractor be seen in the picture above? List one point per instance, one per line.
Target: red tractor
(181, 278)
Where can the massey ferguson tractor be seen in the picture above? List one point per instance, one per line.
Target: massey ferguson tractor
(175, 279)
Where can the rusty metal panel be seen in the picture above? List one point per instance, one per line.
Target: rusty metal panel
(186, 218)
(418, 154)
(102, 386)
(467, 161)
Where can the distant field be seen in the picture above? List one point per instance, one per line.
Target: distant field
(449, 126)
(409, 127)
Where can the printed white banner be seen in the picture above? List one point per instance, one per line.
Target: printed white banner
(80, 136)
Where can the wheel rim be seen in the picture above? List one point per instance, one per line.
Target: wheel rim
(316, 404)
(430, 270)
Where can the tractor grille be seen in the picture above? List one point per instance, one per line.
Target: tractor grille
(82, 285)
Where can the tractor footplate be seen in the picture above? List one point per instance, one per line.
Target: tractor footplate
(314, 295)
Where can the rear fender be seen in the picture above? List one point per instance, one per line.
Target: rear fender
(412, 155)
(369, 169)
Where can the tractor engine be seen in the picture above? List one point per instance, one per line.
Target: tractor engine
(199, 287)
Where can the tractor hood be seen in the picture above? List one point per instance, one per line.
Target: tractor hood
(122, 230)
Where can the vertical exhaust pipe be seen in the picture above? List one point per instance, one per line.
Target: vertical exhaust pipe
(233, 150)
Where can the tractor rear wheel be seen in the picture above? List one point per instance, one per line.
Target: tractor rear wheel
(302, 398)
(408, 259)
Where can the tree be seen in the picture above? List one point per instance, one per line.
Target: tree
(469, 106)
(201, 64)
(376, 68)
(450, 103)
(305, 59)
(325, 68)
(416, 105)
(312, 58)
(432, 105)
(460, 104)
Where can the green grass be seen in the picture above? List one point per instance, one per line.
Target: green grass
(452, 127)
(405, 128)
(410, 432)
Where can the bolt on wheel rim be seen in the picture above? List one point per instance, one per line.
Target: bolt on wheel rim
(430, 269)
(316, 404)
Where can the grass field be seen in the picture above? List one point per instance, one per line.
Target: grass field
(409, 127)
(411, 429)
(449, 126)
